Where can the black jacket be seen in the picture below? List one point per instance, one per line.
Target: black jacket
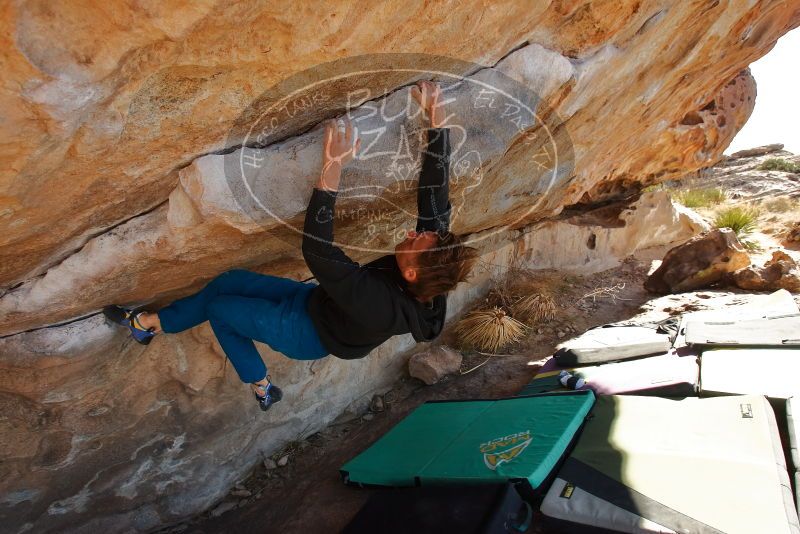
(356, 308)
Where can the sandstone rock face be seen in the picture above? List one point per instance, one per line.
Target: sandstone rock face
(585, 242)
(112, 142)
(780, 272)
(433, 364)
(114, 189)
(704, 260)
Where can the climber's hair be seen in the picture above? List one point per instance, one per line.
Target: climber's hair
(443, 266)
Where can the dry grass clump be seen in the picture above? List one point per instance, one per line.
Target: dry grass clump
(700, 198)
(611, 292)
(515, 303)
(521, 282)
(534, 308)
(780, 205)
(489, 330)
(526, 295)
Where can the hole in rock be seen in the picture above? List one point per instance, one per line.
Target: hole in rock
(711, 106)
(691, 119)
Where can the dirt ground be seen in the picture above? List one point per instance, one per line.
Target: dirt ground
(307, 494)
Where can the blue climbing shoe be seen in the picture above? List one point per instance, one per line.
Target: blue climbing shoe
(127, 318)
(272, 394)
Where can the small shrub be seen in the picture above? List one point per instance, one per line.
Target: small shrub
(653, 188)
(740, 220)
(489, 329)
(750, 245)
(534, 309)
(778, 164)
(700, 198)
(779, 205)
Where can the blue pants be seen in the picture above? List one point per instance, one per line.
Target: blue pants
(243, 306)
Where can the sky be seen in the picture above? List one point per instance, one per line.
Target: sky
(776, 116)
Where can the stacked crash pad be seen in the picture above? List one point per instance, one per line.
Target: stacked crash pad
(645, 464)
(612, 343)
(770, 372)
(474, 441)
(777, 304)
(770, 331)
(753, 350)
(656, 359)
(665, 375)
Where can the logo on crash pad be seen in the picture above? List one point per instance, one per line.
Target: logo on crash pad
(503, 450)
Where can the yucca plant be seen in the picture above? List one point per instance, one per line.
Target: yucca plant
(740, 220)
(489, 329)
(534, 308)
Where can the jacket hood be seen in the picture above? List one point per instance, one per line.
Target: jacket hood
(425, 321)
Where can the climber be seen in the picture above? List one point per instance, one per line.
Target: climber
(353, 308)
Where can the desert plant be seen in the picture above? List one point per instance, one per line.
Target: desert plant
(778, 164)
(489, 329)
(751, 245)
(740, 220)
(654, 187)
(611, 292)
(700, 198)
(780, 204)
(534, 309)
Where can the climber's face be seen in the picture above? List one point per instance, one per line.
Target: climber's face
(407, 251)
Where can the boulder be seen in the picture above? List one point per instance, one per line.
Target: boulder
(792, 233)
(435, 363)
(704, 260)
(780, 272)
(135, 164)
(757, 151)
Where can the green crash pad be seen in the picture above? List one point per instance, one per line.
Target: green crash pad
(474, 441)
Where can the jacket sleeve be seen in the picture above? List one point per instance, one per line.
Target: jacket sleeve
(361, 293)
(433, 194)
